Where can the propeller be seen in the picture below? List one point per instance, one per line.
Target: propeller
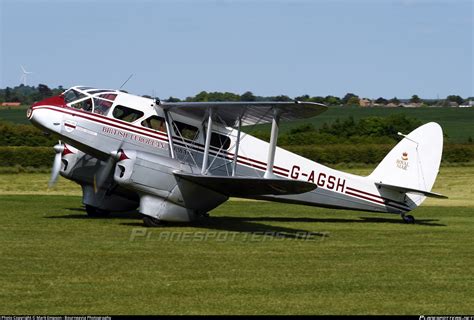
(58, 149)
(101, 176)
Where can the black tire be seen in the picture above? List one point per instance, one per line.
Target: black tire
(409, 219)
(151, 222)
(94, 212)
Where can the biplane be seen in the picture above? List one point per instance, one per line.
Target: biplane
(176, 161)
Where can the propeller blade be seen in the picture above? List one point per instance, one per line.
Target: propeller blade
(56, 164)
(101, 176)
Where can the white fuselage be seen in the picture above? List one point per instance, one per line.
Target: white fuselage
(100, 134)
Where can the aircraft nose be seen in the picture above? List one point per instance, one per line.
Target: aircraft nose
(44, 115)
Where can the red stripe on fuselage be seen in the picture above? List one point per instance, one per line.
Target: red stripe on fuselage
(375, 200)
(377, 196)
(126, 127)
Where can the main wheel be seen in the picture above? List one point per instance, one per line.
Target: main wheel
(95, 212)
(409, 219)
(151, 222)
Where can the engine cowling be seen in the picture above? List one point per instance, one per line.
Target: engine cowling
(162, 194)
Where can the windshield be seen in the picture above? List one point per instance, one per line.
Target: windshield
(73, 95)
(92, 100)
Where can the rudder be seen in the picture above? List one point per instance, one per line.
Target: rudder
(414, 162)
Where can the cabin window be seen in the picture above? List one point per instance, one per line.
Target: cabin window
(85, 105)
(126, 114)
(220, 141)
(155, 123)
(108, 96)
(185, 130)
(102, 106)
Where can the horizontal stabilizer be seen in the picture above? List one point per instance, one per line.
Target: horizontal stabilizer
(247, 187)
(410, 190)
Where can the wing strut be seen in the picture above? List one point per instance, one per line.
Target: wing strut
(236, 153)
(169, 127)
(272, 146)
(205, 158)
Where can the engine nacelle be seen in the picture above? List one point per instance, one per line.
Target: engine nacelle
(81, 168)
(163, 195)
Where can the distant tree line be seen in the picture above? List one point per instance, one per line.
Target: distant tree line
(373, 130)
(29, 94)
(370, 130)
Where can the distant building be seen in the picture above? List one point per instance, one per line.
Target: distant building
(467, 104)
(453, 104)
(10, 104)
(365, 102)
(412, 105)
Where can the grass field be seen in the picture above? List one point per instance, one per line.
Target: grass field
(250, 257)
(14, 114)
(456, 122)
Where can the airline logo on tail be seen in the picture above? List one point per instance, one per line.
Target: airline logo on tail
(403, 163)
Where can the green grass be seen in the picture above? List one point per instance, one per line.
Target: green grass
(456, 122)
(455, 182)
(57, 261)
(14, 114)
(54, 260)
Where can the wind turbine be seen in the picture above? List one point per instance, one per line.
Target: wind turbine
(24, 75)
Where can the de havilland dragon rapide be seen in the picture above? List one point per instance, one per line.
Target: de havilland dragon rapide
(176, 161)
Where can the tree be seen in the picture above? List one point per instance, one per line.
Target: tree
(248, 96)
(349, 96)
(304, 97)
(44, 92)
(455, 98)
(332, 101)
(353, 101)
(8, 94)
(173, 99)
(381, 101)
(394, 100)
(415, 99)
(282, 98)
(318, 99)
(202, 96)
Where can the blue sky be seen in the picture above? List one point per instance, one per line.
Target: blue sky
(179, 48)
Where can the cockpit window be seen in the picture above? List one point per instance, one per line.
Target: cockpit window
(84, 105)
(73, 95)
(126, 114)
(155, 122)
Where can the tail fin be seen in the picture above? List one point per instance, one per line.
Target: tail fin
(413, 164)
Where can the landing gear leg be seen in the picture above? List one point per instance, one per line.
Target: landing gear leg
(151, 222)
(408, 218)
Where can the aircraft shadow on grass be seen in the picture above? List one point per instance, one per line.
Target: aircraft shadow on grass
(255, 225)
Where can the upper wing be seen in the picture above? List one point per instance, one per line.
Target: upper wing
(249, 112)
